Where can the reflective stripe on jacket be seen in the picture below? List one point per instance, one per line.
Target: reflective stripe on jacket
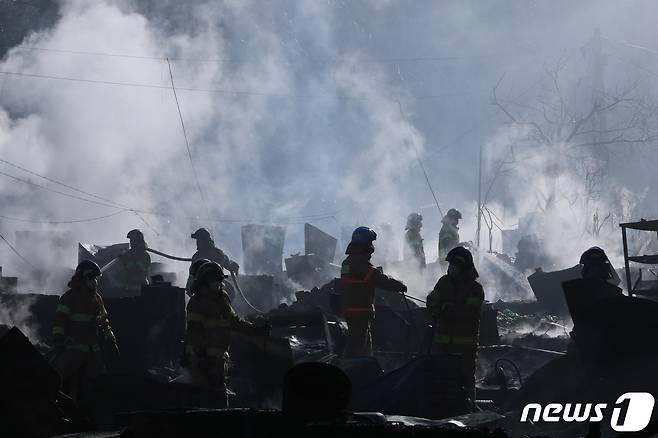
(359, 279)
(210, 321)
(456, 305)
(81, 321)
(358, 293)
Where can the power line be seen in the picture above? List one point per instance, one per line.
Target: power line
(139, 216)
(58, 222)
(15, 251)
(116, 204)
(422, 167)
(138, 212)
(217, 91)
(33, 184)
(187, 142)
(337, 59)
(59, 183)
(124, 207)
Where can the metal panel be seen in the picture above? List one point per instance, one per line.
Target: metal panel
(262, 246)
(319, 243)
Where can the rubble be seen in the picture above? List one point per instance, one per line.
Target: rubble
(286, 383)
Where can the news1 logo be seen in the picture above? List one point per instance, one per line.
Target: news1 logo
(630, 413)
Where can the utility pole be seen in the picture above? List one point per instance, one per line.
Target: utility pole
(477, 235)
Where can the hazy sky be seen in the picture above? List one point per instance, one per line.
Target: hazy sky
(291, 110)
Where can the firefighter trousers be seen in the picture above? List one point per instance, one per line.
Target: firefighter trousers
(468, 354)
(211, 376)
(359, 336)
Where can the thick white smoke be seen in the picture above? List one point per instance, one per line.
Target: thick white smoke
(265, 135)
(291, 110)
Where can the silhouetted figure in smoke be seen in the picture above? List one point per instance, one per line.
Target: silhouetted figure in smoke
(81, 332)
(449, 233)
(136, 263)
(413, 250)
(455, 305)
(358, 280)
(206, 249)
(591, 300)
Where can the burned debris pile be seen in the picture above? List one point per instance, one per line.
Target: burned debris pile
(579, 339)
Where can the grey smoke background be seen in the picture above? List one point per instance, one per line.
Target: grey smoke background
(304, 120)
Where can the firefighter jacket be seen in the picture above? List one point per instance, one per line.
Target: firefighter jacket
(210, 321)
(81, 321)
(214, 254)
(136, 263)
(455, 304)
(413, 248)
(359, 279)
(448, 239)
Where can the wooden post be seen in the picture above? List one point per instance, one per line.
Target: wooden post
(628, 269)
(479, 222)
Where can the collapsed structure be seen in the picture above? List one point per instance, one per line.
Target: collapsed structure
(296, 382)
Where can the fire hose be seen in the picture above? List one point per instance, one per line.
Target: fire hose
(411, 318)
(414, 298)
(237, 286)
(167, 256)
(233, 278)
(235, 281)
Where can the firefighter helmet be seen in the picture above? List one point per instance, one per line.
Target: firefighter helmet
(136, 235)
(461, 256)
(208, 273)
(196, 265)
(594, 255)
(363, 236)
(454, 214)
(86, 269)
(414, 220)
(201, 234)
(596, 258)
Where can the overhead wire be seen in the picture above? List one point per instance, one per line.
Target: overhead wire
(70, 187)
(58, 222)
(232, 93)
(15, 251)
(410, 59)
(187, 142)
(420, 162)
(75, 189)
(293, 220)
(174, 89)
(50, 189)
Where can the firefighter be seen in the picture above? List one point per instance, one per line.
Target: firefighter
(194, 270)
(206, 249)
(591, 298)
(449, 233)
(210, 321)
(455, 305)
(413, 251)
(82, 334)
(136, 262)
(359, 279)
(596, 265)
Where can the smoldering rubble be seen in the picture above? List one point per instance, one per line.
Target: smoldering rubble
(283, 127)
(296, 381)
